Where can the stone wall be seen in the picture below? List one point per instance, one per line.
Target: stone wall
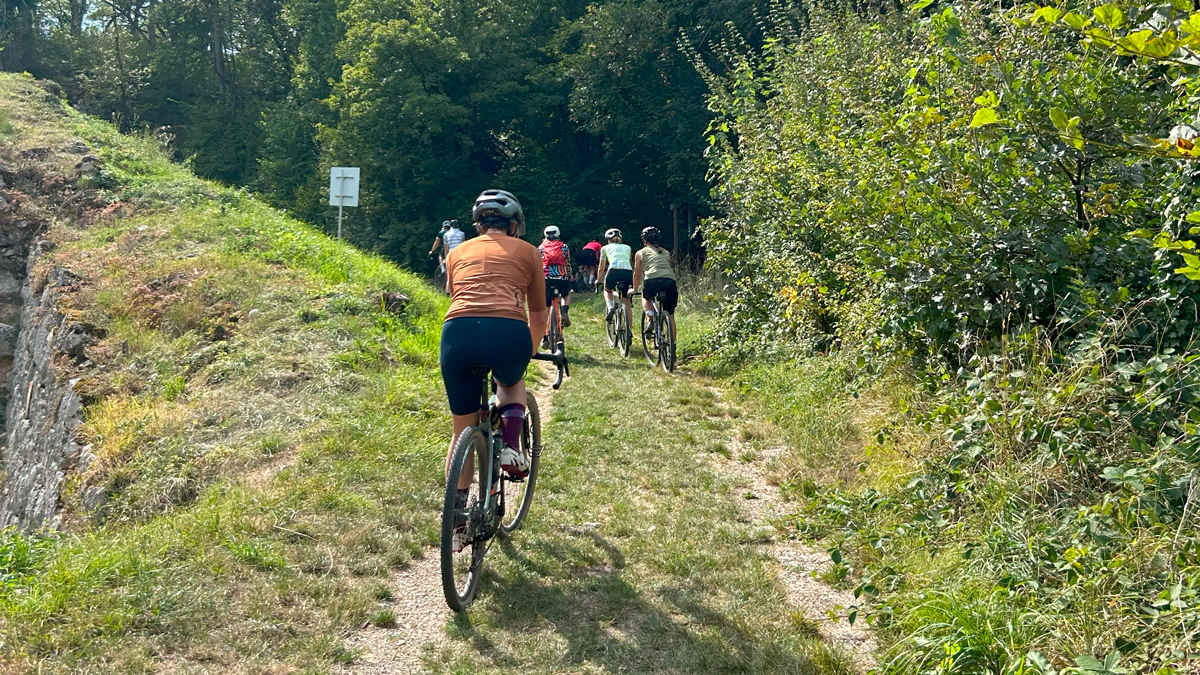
(39, 346)
(43, 410)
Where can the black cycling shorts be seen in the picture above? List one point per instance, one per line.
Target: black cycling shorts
(614, 277)
(563, 286)
(652, 287)
(503, 345)
(587, 258)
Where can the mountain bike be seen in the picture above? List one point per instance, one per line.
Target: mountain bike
(658, 344)
(497, 501)
(617, 325)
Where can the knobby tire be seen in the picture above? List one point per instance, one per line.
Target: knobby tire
(666, 343)
(459, 584)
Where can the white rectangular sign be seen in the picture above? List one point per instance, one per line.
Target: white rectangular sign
(343, 186)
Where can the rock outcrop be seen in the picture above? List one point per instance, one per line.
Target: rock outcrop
(43, 410)
(40, 347)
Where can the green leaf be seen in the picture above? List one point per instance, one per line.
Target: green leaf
(1047, 14)
(1191, 25)
(1191, 259)
(1089, 663)
(1136, 41)
(1076, 21)
(1058, 118)
(988, 99)
(1074, 137)
(1161, 47)
(1193, 217)
(920, 5)
(1110, 15)
(984, 117)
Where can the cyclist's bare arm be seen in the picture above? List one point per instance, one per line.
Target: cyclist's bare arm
(637, 270)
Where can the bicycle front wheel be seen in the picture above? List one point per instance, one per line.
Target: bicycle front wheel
(518, 492)
(463, 515)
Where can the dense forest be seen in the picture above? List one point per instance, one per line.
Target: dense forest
(589, 112)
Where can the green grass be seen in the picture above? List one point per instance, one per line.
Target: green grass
(249, 455)
(636, 556)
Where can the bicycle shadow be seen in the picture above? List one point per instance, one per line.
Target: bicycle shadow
(605, 621)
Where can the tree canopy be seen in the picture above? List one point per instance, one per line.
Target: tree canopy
(590, 113)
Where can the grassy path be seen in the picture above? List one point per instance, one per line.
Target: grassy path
(639, 555)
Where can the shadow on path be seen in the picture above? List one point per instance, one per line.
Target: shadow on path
(607, 622)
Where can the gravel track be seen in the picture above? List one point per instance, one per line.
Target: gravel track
(419, 606)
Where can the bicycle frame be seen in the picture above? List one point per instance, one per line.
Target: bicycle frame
(556, 316)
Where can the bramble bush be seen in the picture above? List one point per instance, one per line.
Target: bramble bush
(1002, 203)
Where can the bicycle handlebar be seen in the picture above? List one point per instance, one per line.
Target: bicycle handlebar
(558, 358)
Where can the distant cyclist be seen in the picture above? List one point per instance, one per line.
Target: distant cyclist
(588, 258)
(652, 270)
(556, 262)
(492, 278)
(450, 237)
(615, 267)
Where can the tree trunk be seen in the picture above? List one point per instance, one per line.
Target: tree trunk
(79, 9)
(217, 43)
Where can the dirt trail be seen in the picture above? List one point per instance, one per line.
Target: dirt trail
(800, 565)
(422, 615)
(419, 606)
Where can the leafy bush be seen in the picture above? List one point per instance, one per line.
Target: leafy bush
(906, 181)
(999, 204)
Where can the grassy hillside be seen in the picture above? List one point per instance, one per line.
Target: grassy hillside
(265, 419)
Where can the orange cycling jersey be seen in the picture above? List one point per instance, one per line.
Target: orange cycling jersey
(495, 276)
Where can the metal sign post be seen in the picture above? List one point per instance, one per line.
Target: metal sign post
(343, 190)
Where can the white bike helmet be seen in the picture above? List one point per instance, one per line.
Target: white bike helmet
(612, 232)
(504, 203)
(552, 232)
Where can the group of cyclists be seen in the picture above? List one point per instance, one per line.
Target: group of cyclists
(501, 292)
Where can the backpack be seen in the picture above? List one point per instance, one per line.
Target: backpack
(554, 254)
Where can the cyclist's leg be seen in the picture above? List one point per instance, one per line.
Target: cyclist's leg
(463, 385)
(609, 303)
(509, 358)
(549, 304)
(626, 299)
(564, 301)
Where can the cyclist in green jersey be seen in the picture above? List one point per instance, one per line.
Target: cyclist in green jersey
(652, 271)
(616, 268)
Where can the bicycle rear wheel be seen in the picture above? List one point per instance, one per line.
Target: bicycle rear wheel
(610, 327)
(555, 332)
(625, 335)
(439, 279)
(649, 346)
(461, 571)
(666, 341)
(518, 492)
